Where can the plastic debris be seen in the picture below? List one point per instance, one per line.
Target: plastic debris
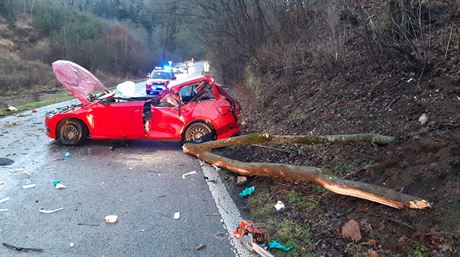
(67, 154)
(111, 219)
(57, 184)
(279, 206)
(410, 80)
(200, 247)
(34, 110)
(3, 210)
(71, 244)
(276, 245)
(176, 215)
(423, 119)
(4, 199)
(240, 180)
(247, 191)
(210, 180)
(216, 168)
(22, 249)
(28, 186)
(12, 108)
(188, 173)
(50, 211)
(2, 182)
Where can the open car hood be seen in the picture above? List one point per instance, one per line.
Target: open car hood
(79, 81)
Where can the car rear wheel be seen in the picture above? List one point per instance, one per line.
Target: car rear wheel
(199, 132)
(72, 132)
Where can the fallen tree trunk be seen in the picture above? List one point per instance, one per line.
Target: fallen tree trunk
(323, 177)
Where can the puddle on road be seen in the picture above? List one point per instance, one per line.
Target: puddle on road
(6, 161)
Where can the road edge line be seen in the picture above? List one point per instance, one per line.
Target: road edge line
(227, 209)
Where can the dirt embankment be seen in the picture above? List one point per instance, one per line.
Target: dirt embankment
(376, 96)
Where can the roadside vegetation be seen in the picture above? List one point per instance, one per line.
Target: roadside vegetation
(338, 67)
(115, 40)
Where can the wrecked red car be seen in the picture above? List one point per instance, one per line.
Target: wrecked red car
(193, 110)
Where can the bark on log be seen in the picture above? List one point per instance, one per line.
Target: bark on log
(321, 176)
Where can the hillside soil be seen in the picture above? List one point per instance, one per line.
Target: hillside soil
(369, 95)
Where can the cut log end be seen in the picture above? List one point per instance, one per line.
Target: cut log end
(419, 204)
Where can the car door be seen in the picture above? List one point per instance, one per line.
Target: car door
(166, 122)
(118, 120)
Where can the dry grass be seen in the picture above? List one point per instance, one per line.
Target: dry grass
(19, 76)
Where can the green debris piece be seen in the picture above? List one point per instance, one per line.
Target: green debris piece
(276, 245)
(247, 191)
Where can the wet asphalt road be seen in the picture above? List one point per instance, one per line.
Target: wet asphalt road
(141, 183)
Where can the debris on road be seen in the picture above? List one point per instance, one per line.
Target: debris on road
(352, 230)
(247, 191)
(4, 199)
(241, 180)
(276, 245)
(34, 110)
(22, 249)
(251, 234)
(57, 184)
(423, 119)
(2, 182)
(188, 173)
(176, 215)
(86, 224)
(28, 186)
(12, 108)
(50, 211)
(200, 247)
(210, 180)
(3, 210)
(6, 161)
(279, 206)
(216, 168)
(67, 154)
(111, 219)
(71, 244)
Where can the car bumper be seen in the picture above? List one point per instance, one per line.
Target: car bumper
(229, 133)
(49, 133)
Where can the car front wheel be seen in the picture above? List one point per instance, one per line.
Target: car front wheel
(199, 132)
(71, 132)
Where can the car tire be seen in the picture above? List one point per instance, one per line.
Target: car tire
(71, 132)
(199, 132)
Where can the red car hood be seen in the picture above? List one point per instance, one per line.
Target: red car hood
(77, 79)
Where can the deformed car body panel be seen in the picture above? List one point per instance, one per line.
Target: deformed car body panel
(79, 81)
(163, 118)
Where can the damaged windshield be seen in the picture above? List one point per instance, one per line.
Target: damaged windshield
(160, 75)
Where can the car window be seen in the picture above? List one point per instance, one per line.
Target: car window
(160, 75)
(187, 93)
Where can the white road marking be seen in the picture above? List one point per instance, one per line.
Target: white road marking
(230, 215)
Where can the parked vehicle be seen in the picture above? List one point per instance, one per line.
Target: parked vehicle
(180, 68)
(196, 109)
(158, 79)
